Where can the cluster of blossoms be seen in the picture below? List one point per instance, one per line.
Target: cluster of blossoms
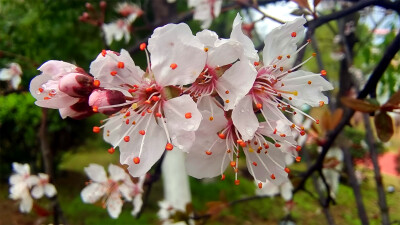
(109, 190)
(24, 186)
(209, 97)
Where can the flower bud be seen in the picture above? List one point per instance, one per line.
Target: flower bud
(79, 110)
(101, 98)
(76, 85)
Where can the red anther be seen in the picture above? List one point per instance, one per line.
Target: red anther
(237, 182)
(265, 152)
(283, 135)
(228, 151)
(147, 102)
(281, 69)
(127, 113)
(317, 121)
(103, 53)
(273, 176)
(223, 177)
(254, 163)
(40, 90)
(298, 148)
(259, 105)
(132, 90)
(266, 146)
(256, 63)
(309, 40)
(226, 92)
(323, 72)
(309, 82)
(143, 46)
(222, 135)
(227, 101)
(206, 49)
(277, 145)
(239, 141)
(113, 73)
(243, 144)
(302, 133)
(260, 185)
(173, 66)
(142, 132)
(127, 121)
(233, 163)
(169, 147)
(211, 118)
(298, 159)
(158, 115)
(96, 129)
(127, 138)
(149, 89)
(111, 150)
(136, 160)
(135, 86)
(293, 34)
(288, 56)
(314, 54)
(287, 170)
(208, 152)
(279, 57)
(95, 109)
(188, 115)
(96, 83)
(155, 98)
(321, 103)
(275, 131)
(121, 65)
(143, 113)
(149, 111)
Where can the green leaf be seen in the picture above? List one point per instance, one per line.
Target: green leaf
(384, 126)
(359, 105)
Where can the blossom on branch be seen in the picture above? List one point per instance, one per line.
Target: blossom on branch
(13, 74)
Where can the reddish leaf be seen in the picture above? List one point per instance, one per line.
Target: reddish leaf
(303, 4)
(359, 105)
(384, 126)
(336, 117)
(392, 103)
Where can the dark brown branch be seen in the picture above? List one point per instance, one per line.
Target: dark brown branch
(377, 171)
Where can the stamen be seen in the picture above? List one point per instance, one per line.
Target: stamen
(136, 160)
(169, 147)
(111, 150)
(143, 46)
(188, 115)
(173, 66)
(96, 129)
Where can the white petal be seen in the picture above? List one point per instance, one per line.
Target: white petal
(50, 190)
(96, 173)
(102, 67)
(116, 173)
(152, 143)
(93, 192)
(180, 126)
(244, 119)
(22, 169)
(249, 51)
(114, 205)
(126, 191)
(137, 204)
(279, 42)
(268, 189)
(15, 81)
(310, 94)
(175, 44)
(5, 74)
(25, 205)
(37, 191)
(287, 190)
(237, 80)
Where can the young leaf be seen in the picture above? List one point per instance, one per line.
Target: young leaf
(359, 105)
(336, 117)
(384, 126)
(392, 103)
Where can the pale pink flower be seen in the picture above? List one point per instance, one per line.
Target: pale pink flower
(63, 86)
(205, 11)
(218, 144)
(121, 28)
(21, 182)
(223, 73)
(279, 87)
(285, 190)
(43, 187)
(154, 117)
(13, 74)
(109, 190)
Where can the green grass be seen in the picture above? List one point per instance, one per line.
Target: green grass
(71, 180)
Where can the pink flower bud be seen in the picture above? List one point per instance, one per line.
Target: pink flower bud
(104, 98)
(79, 110)
(76, 85)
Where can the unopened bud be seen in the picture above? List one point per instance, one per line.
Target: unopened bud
(103, 4)
(100, 98)
(79, 110)
(76, 85)
(89, 6)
